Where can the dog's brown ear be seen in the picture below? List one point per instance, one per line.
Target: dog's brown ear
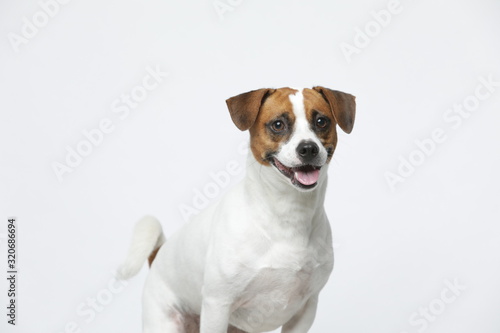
(245, 107)
(343, 107)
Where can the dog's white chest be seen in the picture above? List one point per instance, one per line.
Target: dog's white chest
(281, 283)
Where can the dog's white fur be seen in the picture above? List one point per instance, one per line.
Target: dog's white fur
(257, 259)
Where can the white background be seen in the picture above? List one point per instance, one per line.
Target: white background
(394, 248)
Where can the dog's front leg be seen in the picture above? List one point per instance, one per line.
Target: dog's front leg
(303, 320)
(215, 314)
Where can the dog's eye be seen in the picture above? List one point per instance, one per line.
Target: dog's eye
(278, 126)
(321, 122)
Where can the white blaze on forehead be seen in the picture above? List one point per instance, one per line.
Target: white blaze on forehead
(301, 132)
(301, 123)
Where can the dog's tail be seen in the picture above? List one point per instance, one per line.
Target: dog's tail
(146, 241)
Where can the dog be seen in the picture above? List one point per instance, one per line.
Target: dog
(258, 258)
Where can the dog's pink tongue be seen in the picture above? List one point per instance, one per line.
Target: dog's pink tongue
(307, 177)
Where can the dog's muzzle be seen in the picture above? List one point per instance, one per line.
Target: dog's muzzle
(305, 176)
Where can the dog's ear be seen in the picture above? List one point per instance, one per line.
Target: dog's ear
(343, 107)
(245, 107)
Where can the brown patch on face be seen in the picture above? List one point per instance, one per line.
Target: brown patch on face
(317, 107)
(265, 140)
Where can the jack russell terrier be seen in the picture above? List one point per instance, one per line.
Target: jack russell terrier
(257, 259)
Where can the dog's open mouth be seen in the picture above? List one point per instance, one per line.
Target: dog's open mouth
(305, 176)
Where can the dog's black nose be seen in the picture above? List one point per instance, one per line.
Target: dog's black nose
(307, 151)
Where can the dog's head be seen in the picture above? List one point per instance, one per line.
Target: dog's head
(294, 131)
